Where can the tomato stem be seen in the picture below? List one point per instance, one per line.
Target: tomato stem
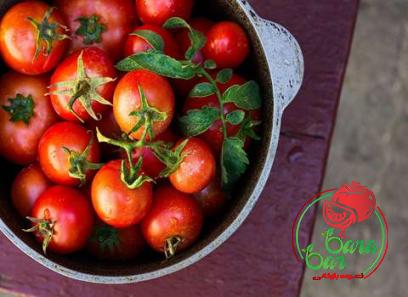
(45, 227)
(170, 246)
(219, 97)
(47, 33)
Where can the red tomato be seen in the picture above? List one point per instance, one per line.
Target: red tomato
(197, 168)
(214, 136)
(151, 165)
(227, 44)
(183, 87)
(101, 23)
(28, 185)
(158, 11)
(174, 222)
(97, 65)
(211, 199)
(24, 31)
(108, 243)
(136, 44)
(126, 100)
(66, 216)
(114, 202)
(25, 113)
(108, 127)
(56, 161)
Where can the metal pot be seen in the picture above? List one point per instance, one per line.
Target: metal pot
(277, 63)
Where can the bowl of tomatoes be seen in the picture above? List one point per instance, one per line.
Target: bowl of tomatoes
(136, 136)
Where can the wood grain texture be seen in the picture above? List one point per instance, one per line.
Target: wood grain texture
(257, 260)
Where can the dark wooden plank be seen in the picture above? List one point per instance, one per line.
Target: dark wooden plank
(257, 260)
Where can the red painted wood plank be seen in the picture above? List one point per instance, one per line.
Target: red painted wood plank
(257, 260)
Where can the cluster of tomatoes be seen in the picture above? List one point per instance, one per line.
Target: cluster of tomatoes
(105, 167)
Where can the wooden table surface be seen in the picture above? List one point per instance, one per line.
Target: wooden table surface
(257, 260)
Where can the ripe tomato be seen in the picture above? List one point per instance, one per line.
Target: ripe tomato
(62, 220)
(108, 243)
(101, 23)
(196, 170)
(211, 199)
(25, 113)
(227, 44)
(28, 185)
(32, 37)
(136, 44)
(214, 136)
(174, 222)
(152, 166)
(158, 11)
(67, 153)
(128, 108)
(114, 202)
(85, 76)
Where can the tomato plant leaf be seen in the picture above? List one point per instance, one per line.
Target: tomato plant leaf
(159, 63)
(197, 38)
(202, 90)
(210, 64)
(224, 75)
(247, 129)
(197, 121)
(152, 38)
(235, 117)
(246, 96)
(234, 161)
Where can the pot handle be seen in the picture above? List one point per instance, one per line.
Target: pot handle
(285, 60)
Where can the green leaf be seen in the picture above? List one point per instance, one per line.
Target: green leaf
(210, 64)
(159, 63)
(235, 117)
(197, 121)
(20, 108)
(234, 161)
(247, 129)
(152, 38)
(246, 96)
(202, 90)
(197, 38)
(224, 75)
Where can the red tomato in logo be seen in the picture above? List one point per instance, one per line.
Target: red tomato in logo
(159, 11)
(227, 44)
(32, 37)
(174, 222)
(100, 23)
(28, 185)
(86, 76)
(63, 216)
(25, 113)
